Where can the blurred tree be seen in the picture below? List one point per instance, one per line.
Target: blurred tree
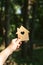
(24, 11)
(7, 21)
(38, 22)
(1, 19)
(28, 16)
(29, 13)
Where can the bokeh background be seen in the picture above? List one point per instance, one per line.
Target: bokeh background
(29, 13)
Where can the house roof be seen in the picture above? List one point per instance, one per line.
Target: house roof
(22, 29)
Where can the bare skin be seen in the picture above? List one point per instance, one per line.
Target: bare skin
(15, 44)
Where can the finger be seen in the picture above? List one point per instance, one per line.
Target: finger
(17, 47)
(14, 39)
(20, 43)
(19, 40)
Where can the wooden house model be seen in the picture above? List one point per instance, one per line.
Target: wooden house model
(23, 33)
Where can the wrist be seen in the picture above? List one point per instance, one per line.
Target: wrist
(10, 49)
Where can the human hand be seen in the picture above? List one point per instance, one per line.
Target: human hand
(15, 44)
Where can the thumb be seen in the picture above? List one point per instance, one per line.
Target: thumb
(18, 40)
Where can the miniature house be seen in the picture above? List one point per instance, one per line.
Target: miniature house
(23, 33)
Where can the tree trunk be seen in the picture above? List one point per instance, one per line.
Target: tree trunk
(28, 23)
(25, 24)
(7, 21)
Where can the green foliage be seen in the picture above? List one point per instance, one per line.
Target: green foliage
(17, 15)
(12, 31)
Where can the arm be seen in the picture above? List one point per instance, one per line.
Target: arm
(15, 43)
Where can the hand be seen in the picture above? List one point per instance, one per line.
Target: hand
(15, 44)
